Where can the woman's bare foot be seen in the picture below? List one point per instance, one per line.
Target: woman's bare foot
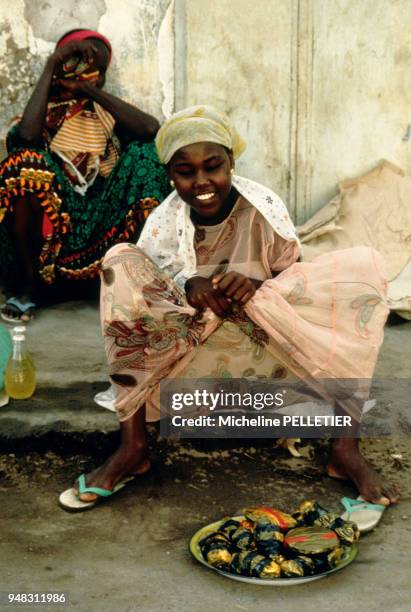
(121, 464)
(347, 462)
(129, 459)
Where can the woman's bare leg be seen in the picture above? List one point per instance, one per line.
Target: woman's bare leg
(26, 229)
(130, 458)
(348, 463)
(127, 274)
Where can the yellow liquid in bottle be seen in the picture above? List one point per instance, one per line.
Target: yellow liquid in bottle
(20, 378)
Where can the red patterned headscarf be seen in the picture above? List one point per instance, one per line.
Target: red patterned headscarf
(83, 35)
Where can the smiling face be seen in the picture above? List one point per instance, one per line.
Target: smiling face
(202, 176)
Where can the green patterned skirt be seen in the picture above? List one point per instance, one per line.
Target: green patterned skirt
(78, 230)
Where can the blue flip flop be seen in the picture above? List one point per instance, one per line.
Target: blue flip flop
(22, 308)
(364, 514)
(69, 499)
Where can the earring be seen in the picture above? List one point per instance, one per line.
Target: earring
(232, 170)
(172, 183)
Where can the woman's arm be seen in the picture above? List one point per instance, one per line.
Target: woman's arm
(131, 122)
(237, 287)
(32, 123)
(282, 254)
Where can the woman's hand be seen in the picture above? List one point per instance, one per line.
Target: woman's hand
(202, 294)
(33, 121)
(75, 87)
(131, 122)
(85, 48)
(235, 286)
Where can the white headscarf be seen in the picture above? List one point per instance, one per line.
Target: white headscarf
(168, 234)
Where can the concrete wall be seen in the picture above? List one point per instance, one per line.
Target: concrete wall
(141, 32)
(319, 88)
(240, 58)
(360, 104)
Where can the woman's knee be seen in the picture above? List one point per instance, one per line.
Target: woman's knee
(125, 255)
(123, 249)
(27, 217)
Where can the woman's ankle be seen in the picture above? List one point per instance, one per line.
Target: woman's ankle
(134, 453)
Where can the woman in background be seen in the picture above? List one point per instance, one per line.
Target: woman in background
(82, 174)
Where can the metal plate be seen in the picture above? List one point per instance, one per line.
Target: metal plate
(201, 533)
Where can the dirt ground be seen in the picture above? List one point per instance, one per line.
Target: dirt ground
(131, 552)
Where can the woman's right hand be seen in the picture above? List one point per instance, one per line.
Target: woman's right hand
(32, 123)
(85, 48)
(201, 294)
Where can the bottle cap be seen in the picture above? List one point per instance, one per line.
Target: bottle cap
(19, 329)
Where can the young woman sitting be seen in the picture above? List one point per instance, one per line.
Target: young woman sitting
(215, 289)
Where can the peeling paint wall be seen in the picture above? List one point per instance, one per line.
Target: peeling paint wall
(360, 103)
(141, 32)
(319, 88)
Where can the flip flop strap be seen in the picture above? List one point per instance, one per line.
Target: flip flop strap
(354, 504)
(83, 488)
(22, 307)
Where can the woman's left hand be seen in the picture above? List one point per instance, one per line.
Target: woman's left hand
(73, 86)
(235, 286)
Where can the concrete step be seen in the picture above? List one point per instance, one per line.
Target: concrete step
(67, 348)
(58, 410)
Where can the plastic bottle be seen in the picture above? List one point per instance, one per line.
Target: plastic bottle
(20, 376)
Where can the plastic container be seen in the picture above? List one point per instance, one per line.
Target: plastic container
(5, 351)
